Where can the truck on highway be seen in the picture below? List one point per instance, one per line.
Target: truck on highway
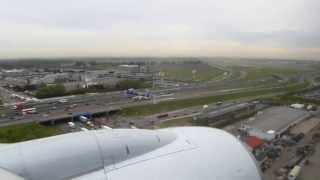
(140, 98)
(62, 100)
(29, 111)
(163, 116)
(131, 93)
(18, 106)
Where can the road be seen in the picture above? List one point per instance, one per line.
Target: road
(88, 102)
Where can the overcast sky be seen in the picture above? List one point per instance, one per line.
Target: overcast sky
(245, 28)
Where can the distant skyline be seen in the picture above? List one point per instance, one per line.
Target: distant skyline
(287, 29)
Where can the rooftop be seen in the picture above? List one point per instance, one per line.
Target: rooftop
(253, 141)
(276, 118)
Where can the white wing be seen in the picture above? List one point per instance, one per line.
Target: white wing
(8, 175)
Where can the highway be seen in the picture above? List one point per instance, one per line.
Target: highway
(52, 108)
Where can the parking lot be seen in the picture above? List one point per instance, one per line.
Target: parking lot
(311, 172)
(304, 153)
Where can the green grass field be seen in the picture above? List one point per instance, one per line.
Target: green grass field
(254, 73)
(183, 72)
(148, 109)
(24, 132)
(293, 97)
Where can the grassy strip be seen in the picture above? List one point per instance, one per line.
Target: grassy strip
(229, 121)
(24, 132)
(291, 97)
(262, 72)
(148, 109)
(183, 72)
(176, 122)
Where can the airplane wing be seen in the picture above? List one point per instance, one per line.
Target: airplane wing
(4, 174)
(185, 153)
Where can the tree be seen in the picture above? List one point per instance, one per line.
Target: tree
(48, 91)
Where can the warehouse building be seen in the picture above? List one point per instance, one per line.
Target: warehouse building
(273, 122)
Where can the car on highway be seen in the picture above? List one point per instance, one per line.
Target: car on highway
(73, 105)
(140, 98)
(62, 100)
(71, 125)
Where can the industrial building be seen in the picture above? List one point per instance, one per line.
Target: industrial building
(273, 122)
(224, 114)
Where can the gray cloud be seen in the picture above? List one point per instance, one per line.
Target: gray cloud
(266, 28)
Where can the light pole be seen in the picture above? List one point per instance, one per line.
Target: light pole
(194, 72)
